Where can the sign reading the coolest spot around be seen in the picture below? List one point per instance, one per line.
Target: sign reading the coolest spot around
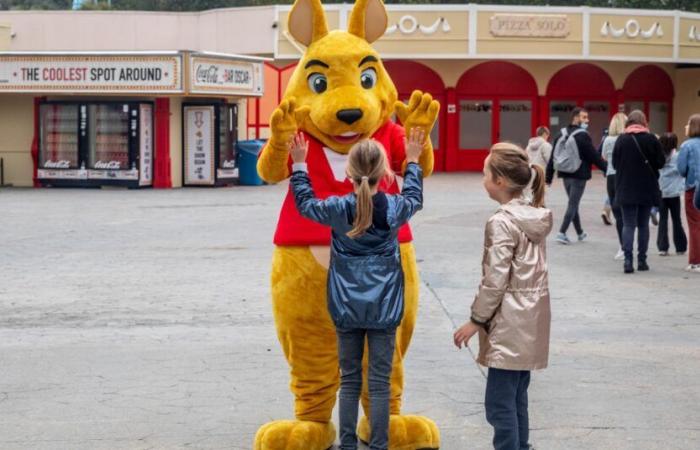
(103, 73)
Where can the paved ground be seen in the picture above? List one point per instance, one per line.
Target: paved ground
(142, 319)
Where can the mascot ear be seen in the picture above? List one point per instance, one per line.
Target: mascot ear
(307, 21)
(368, 20)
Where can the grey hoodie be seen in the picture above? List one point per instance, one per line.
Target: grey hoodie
(512, 302)
(539, 151)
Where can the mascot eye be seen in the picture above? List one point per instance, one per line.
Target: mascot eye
(317, 83)
(368, 78)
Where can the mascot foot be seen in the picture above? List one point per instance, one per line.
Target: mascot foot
(406, 433)
(295, 435)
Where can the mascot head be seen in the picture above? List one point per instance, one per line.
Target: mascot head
(340, 77)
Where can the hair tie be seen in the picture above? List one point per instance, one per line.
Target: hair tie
(365, 178)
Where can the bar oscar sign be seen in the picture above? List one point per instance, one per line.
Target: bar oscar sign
(530, 25)
(222, 76)
(103, 73)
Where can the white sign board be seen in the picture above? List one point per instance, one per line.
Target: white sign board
(72, 73)
(228, 77)
(145, 145)
(199, 145)
(530, 25)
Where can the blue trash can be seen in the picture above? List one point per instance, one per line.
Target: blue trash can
(248, 152)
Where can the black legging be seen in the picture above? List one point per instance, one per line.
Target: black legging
(617, 211)
(680, 241)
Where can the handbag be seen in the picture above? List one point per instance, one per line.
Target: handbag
(657, 192)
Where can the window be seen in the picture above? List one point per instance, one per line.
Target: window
(515, 121)
(598, 120)
(658, 117)
(560, 115)
(475, 118)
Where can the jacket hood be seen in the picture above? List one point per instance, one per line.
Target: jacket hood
(536, 223)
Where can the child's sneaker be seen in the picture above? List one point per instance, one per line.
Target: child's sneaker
(620, 255)
(563, 239)
(693, 268)
(582, 237)
(663, 253)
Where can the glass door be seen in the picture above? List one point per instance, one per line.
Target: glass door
(58, 134)
(598, 120)
(475, 124)
(228, 122)
(108, 137)
(659, 117)
(560, 115)
(515, 121)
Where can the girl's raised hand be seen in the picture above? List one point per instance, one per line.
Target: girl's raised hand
(414, 144)
(298, 148)
(464, 333)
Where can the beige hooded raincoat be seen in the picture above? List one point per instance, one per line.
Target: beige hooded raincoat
(513, 297)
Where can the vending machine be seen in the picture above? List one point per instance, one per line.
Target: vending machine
(210, 132)
(96, 144)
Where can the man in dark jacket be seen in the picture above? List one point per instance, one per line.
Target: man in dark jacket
(575, 183)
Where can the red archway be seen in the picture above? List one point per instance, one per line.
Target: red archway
(495, 101)
(409, 76)
(585, 85)
(650, 89)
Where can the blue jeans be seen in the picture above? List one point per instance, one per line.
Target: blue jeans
(506, 408)
(635, 217)
(351, 346)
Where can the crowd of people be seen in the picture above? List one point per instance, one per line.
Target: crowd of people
(646, 175)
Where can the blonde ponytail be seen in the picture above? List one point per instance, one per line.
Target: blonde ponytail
(367, 165)
(509, 161)
(538, 186)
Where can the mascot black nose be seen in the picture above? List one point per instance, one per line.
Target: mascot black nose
(349, 116)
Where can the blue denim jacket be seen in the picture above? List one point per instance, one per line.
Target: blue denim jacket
(365, 279)
(689, 162)
(671, 182)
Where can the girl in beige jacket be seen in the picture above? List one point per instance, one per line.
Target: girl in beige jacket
(511, 309)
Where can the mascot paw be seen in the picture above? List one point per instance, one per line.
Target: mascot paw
(295, 435)
(406, 433)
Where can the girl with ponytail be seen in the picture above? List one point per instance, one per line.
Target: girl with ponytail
(511, 309)
(365, 278)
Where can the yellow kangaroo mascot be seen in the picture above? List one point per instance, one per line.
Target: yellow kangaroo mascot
(339, 94)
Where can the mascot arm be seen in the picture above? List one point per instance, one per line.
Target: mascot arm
(273, 164)
(421, 112)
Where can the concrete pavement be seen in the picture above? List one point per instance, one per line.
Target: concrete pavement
(142, 320)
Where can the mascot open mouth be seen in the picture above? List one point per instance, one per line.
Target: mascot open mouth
(349, 137)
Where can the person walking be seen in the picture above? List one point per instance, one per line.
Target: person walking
(637, 158)
(616, 128)
(511, 310)
(571, 158)
(672, 187)
(365, 278)
(689, 167)
(538, 149)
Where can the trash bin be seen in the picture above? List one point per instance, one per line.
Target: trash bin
(248, 152)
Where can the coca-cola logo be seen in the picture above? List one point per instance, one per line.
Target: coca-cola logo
(63, 164)
(109, 165)
(207, 74)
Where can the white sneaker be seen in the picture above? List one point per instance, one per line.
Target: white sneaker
(620, 255)
(693, 268)
(663, 253)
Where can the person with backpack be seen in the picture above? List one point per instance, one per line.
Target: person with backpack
(672, 188)
(637, 158)
(572, 157)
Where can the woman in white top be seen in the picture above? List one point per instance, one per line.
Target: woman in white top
(539, 149)
(616, 128)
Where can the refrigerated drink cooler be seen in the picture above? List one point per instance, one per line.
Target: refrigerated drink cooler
(95, 144)
(210, 132)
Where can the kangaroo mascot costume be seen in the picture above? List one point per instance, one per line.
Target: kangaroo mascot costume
(339, 94)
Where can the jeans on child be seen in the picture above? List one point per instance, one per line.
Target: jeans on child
(351, 346)
(506, 408)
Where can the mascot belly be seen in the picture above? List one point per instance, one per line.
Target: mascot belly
(339, 94)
